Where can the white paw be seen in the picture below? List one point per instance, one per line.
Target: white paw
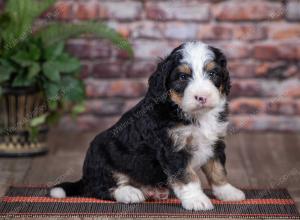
(58, 192)
(228, 192)
(200, 202)
(128, 194)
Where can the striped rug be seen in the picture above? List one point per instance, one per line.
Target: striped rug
(34, 202)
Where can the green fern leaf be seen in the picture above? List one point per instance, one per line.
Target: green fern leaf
(58, 32)
(22, 14)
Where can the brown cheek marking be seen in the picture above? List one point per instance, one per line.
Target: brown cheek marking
(215, 172)
(184, 68)
(210, 66)
(175, 97)
(221, 89)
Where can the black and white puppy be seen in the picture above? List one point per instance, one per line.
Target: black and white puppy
(177, 129)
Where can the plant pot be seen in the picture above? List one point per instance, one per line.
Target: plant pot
(17, 107)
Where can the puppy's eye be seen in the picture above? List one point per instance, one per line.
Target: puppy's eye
(212, 74)
(183, 76)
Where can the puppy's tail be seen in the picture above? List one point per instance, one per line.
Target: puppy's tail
(63, 190)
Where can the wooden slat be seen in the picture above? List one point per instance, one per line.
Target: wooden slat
(253, 160)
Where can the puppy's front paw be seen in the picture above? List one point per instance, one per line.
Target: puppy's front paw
(129, 194)
(200, 202)
(228, 192)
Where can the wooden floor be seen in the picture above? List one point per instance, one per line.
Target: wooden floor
(264, 160)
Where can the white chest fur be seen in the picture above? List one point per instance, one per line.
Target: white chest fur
(199, 138)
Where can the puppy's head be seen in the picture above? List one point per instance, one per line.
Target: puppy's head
(195, 77)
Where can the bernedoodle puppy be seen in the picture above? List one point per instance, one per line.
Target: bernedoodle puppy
(176, 130)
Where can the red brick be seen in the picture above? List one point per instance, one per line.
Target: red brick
(240, 69)
(115, 88)
(278, 69)
(87, 48)
(123, 29)
(62, 10)
(119, 53)
(1, 5)
(105, 107)
(293, 10)
(265, 88)
(245, 88)
(266, 52)
(284, 31)
(100, 48)
(120, 10)
(288, 50)
(85, 70)
(140, 68)
(298, 105)
(252, 10)
(180, 31)
(149, 29)
(281, 106)
(263, 123)
(266, 68)
(87, 10)
(109, 69)
(236, 50)
(275, 105)
(290, 88)
(292, 70)
(276, 51)
(215, 32)
(249, 32)
(146, 49)
(246, 106)
(177, 10)
(280, 89)
(170, 30)
(226, 31)
(79, 48)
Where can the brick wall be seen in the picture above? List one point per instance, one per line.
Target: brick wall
(261, 38)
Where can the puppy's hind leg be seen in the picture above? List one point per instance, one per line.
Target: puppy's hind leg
(216, 175)
(126, 193)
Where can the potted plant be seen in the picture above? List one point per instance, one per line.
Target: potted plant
(39, 80)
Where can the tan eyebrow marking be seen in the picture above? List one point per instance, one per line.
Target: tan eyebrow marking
(210, 66)
(184, 68)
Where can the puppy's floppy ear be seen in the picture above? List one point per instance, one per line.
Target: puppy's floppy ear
(222, 61)
(226, 78)
(158, 80)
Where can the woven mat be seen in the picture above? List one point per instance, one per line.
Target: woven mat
(34, 202)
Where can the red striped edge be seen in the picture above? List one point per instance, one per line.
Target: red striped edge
(167, 201)
(142, 214)
(45, 186)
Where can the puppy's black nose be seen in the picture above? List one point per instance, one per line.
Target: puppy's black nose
(200, 99)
